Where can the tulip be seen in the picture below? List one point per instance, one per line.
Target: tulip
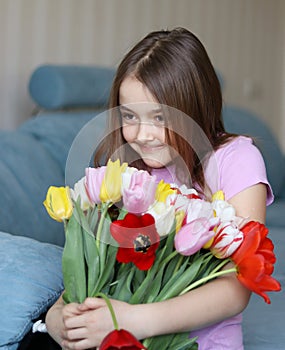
(255, 260)
(120, 339)
(179, 216)
(226, 241)
(224, 210)
(179, 201)
(127, 175)
(219, 195)
(110, 191)
(197, 209)
(58, 203)
(189, 193)
(164, 216)
(163, 191)
(139, 195)
(94, 179)
(137, 238)
(79, 191)
(192, 236)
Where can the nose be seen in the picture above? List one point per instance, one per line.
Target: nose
(145, 132)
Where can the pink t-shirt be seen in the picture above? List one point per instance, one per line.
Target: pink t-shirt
(234, 167)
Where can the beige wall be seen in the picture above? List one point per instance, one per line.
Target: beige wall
(245, 40)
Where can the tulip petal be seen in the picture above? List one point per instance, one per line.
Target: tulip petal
(254, 263)
(120, 339)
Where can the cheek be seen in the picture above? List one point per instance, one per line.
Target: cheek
(161, 136)
(129, 133)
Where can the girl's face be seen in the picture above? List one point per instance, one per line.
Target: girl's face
(143, 123)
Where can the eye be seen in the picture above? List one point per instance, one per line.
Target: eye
(128, 118)
(159, 120)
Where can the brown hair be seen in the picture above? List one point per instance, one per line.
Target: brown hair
(176, 69)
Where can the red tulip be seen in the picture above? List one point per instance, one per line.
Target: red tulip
(120, 339)
(138, 240)
(255, 260)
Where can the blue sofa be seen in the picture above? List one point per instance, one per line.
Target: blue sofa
(34, 156)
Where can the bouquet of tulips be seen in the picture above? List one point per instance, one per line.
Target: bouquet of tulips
(131, 238)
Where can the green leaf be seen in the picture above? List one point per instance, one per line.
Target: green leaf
(92, 218)
(91, 253)
(105, 278)
(73, 263)
(156, 287)
(140, 294)
(121, 286)
(177, 341)
(171, 268)
(105, 239)
(124, 291)
(181, 279)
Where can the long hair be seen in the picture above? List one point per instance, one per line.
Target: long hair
(176, 69)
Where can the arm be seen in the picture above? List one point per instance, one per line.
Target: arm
(209, 304)
(218, 299)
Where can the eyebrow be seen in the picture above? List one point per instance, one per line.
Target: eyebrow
(155, 110)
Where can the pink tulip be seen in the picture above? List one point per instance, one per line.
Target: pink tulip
(194, 235)
(94, 178)
(140, 192)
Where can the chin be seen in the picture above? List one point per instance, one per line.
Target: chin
(153, 163)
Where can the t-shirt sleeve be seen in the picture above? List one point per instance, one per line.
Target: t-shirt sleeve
(241, 165)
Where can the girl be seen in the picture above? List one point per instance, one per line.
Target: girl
(172, 68)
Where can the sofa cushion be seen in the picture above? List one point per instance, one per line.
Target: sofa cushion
(31, 281)
(63, 86)
(56, 131)
(241, 121)
(27, 170)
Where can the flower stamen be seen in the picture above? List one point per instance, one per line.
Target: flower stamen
(142, 243)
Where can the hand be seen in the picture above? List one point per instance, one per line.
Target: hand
(86, 324)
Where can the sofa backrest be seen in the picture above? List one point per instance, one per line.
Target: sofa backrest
(241, 121)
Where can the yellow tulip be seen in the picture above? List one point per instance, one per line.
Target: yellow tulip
(163, 191)
(110, 191)
(218, 196)
(179, 216)
(58, 203)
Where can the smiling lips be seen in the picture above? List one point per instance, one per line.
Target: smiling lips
(145, 148)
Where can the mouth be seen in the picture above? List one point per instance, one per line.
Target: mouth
(149, 149)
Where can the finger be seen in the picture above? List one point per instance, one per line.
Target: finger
(78, 345)
(71, 309)
(75, 334)
(92, 303)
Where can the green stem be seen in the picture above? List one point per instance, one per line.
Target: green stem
(147, 342)
(222, 264)
(168, 258)
(207, 278)
(179, 262)
(111, 309)
(101, 222)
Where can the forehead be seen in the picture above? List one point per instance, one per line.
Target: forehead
(133, 91)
